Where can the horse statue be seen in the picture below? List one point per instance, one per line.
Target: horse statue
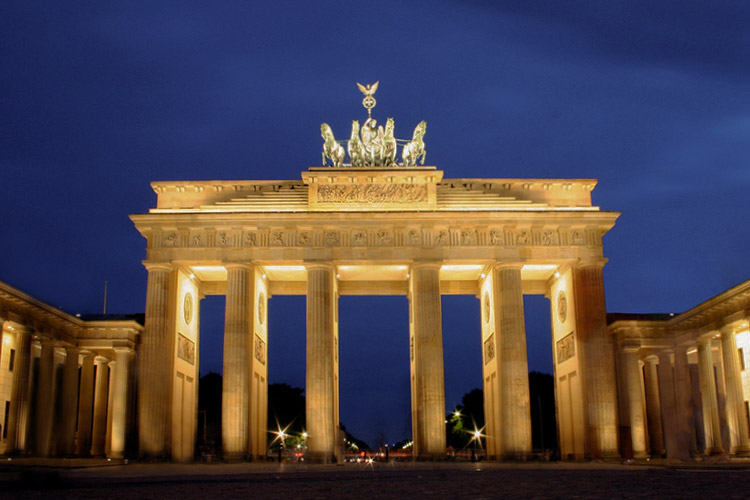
(354, 146)
(389, 144)
(331, 149)
(414, 149)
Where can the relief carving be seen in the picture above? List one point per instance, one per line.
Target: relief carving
(197, 240)
(468, 237)
(489, 348)
(251, 240)
(224, 239)
(549, 237)
(415, 237)
(566, 348)
(332, 238)
(170, 240)
(303, 238)
(185, 349)
(260, 350)
(524, 238)
(359, 238)
(372, 193)
(277, 238)
(442, 238)
(496, 237)
(385, 237)
(577, 237)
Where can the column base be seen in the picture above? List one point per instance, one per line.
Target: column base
(642, 455)
(430, 457)
(741, 452)
(320, 457)
(514, 457)
(712, 452)
(237, 457)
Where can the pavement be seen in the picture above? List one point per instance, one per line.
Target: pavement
(29, 478)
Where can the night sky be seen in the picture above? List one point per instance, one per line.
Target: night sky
(98, 99)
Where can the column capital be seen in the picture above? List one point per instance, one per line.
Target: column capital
(595, 262)
(239, 265)
(426, 264)
(630, 346)
(319, 264)
(504, 264)
(157, 266)
(731, 328)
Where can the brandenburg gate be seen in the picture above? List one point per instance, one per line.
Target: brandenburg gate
(376, 225)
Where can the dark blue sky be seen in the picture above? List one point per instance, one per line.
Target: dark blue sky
(97, 99)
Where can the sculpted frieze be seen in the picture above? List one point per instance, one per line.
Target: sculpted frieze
(410, 236)
(372, 193)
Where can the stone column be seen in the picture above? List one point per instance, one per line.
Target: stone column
(322, 424)
(235, 413)
(668, 403)
(735, 400)
(18, 420)
(708, 394)
(45, 400)
(597, 360)
(632, 372)
(86, 406)
(429, 381)
(155, 360)
(119, 398)
(653, 408)
(684, 425)
(99, 430)
(67, 426)
(111, 367)
(513, 368)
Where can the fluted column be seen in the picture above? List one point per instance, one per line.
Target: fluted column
(86, 405)
(119, 402)
(322, 424)
(45, 400)
(18, 420)
(235, 415)
(513, 368)
(708, 394)
(735, 401)
(653, 408)
(629, 356)
(684, 425)
(597, 360)
(155, 361)
(67, 424)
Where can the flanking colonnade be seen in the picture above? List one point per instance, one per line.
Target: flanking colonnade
(684, 383)
(66, 384)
